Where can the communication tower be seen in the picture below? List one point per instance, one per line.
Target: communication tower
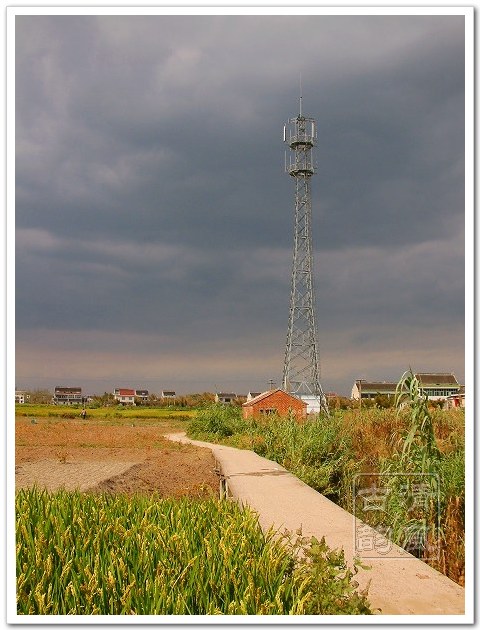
(301, 370)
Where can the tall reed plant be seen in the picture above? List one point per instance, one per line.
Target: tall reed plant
(425, 498)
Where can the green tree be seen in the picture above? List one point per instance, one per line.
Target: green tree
(40, 397)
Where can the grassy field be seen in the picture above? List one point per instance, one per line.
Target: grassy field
(87, 554)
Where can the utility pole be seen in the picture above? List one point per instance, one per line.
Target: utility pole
(360, 381)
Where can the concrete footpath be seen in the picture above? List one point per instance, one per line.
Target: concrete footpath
(400, 584)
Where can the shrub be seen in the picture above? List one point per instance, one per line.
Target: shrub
(318, 452)
(217, 421)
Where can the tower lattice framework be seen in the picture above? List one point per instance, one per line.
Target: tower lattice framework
(301, 371)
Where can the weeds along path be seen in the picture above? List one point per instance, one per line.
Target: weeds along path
(417, 454)
(399, 584)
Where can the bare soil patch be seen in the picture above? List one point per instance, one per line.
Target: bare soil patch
(130, 459)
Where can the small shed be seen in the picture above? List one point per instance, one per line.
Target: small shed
(456, 400)
(275, 401)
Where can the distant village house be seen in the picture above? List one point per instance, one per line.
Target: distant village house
(372, 389)
(141, 396)
(437, 386)
(128, 396)
(67, 396)
(225, 399)
(21, 397)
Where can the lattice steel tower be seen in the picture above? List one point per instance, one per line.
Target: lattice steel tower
(301, 370)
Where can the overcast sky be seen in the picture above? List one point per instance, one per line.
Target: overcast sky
(154, 220)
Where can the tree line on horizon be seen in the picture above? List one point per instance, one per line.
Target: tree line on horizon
(107, 399)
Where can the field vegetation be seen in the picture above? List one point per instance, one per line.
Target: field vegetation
(115, 553)
(413, 440)
(83, 554)
(154, 540)
(117, 414)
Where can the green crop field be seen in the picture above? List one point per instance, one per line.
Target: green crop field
(87, 554)
(113, 415)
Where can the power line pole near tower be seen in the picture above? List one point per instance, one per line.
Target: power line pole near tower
(301, 370)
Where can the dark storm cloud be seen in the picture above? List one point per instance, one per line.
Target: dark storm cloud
(191, 126)
(150, 186)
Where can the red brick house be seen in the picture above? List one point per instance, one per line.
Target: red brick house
(275, 401)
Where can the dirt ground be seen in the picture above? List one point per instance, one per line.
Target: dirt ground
(98, 457)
